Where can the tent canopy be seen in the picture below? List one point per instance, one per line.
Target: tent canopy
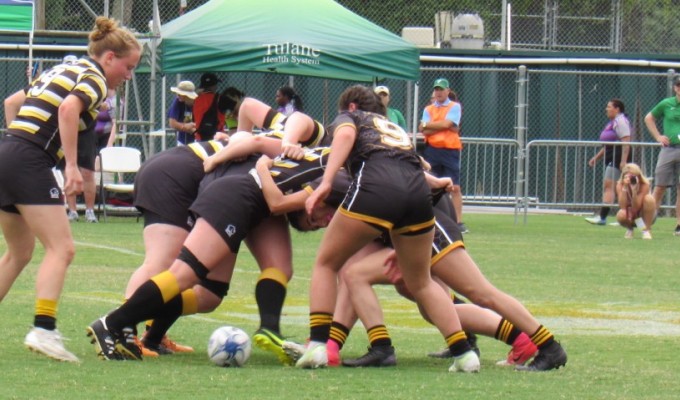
(316, 38)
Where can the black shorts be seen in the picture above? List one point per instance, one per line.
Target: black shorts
(233, 205)
(447, 236)
(26, 175)
(230, 168)
(167, 184)
(390, 195)
(87, 152)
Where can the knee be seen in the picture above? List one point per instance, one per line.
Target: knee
(207, 301)
(21, 256)
(482, 298)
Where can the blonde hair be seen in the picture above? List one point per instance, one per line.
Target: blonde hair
(633, 169)
(108, 36)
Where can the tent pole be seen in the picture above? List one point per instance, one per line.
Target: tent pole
(416, 92)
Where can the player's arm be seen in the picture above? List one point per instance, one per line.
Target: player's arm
(298, 128)
(278, 202)
(438, 183)
(343, 141)
(69, 118)
(241, 145)
(12, 106)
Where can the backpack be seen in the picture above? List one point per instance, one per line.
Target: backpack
(209, 122)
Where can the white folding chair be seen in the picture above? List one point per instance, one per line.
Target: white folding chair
(114, 162)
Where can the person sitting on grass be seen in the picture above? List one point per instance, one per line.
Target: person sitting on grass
(637, 206)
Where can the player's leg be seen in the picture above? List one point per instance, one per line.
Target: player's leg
(463, 276)
(20, 245)
(359, 278)
(89, 193)
(270, 244)
(202, 251)
(252, 113)
(343, 237)
(162, 244)
(413, 255)
(51, 227)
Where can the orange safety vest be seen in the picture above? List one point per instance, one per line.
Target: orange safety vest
(447, 138)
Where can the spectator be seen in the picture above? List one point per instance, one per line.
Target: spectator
(180, 114)
(393, 114)
(206, 105)
(668, 165)
(229, 104)
(615, 157)
(288, 101)
(637, 206)
(440, 126)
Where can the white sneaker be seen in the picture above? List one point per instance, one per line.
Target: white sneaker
(629, 234)
(468, 362)
(646, 235)
(293, 350)
(596, 220)
(90, 217)
(315, 356)
(72, 216)
(48, 343)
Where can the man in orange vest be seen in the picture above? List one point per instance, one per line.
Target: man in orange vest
(441, 126)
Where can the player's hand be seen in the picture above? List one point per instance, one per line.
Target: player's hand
(264, 162)
(209, 164)
(221, 136)
(665, 142)
(443, 183)
(391, 270)
(318, 195)
(591, 162)
(294, 151)
(74, 180)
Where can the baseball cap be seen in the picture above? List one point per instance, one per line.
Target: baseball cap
(381, 89)
(70, 59)
(442, 83)
(185, 88)
(208, 79)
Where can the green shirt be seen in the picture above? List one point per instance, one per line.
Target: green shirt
(669, 110)
(396, 116)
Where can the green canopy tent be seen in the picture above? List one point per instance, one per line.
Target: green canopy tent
(318, 38)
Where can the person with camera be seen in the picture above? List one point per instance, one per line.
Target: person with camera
(637, 206)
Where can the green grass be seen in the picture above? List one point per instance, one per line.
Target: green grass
(613, 303)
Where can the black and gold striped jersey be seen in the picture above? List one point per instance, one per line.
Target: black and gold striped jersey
(375, 135)
(37, 120)
(206, 148)
(293, 175)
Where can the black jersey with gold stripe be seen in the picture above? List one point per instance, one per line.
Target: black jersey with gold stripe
(37, 120)
(376, 136)
(206, 148)
(292, 175)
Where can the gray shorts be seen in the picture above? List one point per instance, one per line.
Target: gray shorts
(668, 167)
(612, 173)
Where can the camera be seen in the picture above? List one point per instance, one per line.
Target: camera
(633, 180)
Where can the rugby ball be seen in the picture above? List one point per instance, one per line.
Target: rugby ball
(229, 346)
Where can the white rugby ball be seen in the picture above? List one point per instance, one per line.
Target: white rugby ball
(229, 346)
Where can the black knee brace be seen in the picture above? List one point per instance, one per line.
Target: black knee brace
(190, 259)
(219, 289)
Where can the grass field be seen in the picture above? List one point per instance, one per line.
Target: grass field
(613, 303)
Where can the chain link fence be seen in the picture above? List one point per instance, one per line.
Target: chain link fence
(629, 26)
(500, 115)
